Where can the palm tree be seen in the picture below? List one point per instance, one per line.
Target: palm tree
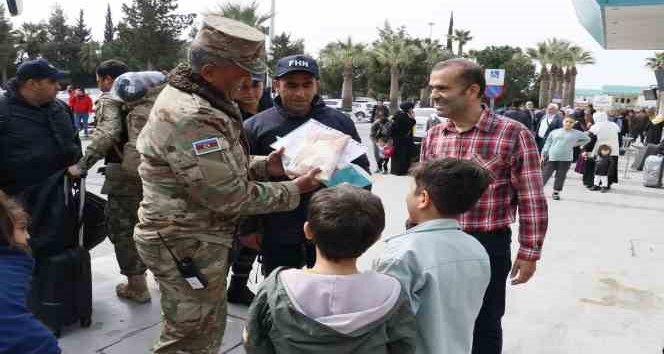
(462, 37)
(557, 50)
(574, 56)
(656, 63)
(350, 56)
(246, 14)
(394, 50)
(542, 55)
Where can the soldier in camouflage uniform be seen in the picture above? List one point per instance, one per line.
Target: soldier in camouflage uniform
(198, 179)
(123, 189)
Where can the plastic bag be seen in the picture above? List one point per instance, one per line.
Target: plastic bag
(132, 86)
(315, 145)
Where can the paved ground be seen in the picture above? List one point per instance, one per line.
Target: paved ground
(597, 288)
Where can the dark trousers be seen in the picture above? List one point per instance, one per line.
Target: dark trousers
(488, 333)
(382, 164)
(560, 168)
(290, 256)
(243, 263)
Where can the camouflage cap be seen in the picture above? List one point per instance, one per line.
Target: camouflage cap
(233, 40)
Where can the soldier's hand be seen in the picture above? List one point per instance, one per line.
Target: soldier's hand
(253, 241)
(275, 166)
(308, 183)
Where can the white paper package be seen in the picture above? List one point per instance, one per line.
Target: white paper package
(314, 144)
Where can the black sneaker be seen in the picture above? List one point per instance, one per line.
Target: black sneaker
(595, 188)
(238, 293)
(556, 196)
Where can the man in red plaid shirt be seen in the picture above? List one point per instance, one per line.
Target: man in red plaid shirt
(508, 150)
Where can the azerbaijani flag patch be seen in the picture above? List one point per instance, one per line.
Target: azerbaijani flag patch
(206, 146)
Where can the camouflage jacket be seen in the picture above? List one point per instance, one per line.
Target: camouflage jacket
(198, 177)
(108, 136)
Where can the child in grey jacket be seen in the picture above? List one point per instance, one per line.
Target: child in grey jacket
(444, 271)
(334, 308)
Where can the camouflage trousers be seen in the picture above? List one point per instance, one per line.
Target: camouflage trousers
(121, 217)
(194, 320)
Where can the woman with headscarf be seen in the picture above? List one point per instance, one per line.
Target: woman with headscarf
(402, 136)
(607, 134)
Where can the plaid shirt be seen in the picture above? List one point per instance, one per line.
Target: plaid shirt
(508, 150)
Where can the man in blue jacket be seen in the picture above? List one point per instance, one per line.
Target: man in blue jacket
(297, 84)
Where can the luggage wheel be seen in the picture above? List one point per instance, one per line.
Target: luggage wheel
(86, 322)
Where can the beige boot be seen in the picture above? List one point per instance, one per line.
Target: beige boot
(135, 290)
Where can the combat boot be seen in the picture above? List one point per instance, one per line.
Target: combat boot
(238, 292)
(135, 290)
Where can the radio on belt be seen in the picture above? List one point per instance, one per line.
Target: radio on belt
(188, 269)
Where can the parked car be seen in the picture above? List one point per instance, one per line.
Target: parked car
(358, 113)
(425, 118)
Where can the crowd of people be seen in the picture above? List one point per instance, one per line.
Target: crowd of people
(195, 188)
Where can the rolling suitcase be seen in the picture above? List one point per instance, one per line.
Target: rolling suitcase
(652, 171)
(62, 290)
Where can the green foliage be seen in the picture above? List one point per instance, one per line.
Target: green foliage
(89, 57)
(109, 28)
(81, 32)
(31, 36)
(246, 14)
(462, 37)
(283, 46)
(8, 38)
(347, 58)
(150, 31)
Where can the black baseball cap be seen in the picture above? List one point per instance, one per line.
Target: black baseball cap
(38, 69)
(297, 63)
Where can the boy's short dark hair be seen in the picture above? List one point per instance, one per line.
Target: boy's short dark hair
(346, 221)
(453, 185)
(112, 68)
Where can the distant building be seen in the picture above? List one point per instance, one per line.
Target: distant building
(613, 96)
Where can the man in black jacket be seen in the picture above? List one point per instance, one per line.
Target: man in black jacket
(38, 143)
(297, 83)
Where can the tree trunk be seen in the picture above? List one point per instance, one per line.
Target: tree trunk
(394, 88)
(150, 66)
(460, 49)
(425, 97)
(552, 84)
(347, 89)
(545, 81)
(564, 87)
(571, 92)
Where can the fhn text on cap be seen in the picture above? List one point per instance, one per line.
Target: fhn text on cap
(297, 63)
(38, 69)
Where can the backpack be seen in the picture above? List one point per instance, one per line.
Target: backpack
(652, 171)
(137, 114)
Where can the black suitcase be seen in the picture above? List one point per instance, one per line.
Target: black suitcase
(62, 286)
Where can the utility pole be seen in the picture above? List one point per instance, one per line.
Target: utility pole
(271, 36)
(431, 30)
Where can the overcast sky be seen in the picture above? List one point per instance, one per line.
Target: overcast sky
(506, 22)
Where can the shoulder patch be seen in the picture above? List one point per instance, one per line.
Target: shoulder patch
(206, 146)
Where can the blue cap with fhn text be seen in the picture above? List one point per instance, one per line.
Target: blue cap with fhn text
(297, 63)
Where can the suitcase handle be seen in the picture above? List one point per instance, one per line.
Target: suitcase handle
(68, 185)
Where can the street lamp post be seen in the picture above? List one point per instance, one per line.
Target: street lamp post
(271, 36)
